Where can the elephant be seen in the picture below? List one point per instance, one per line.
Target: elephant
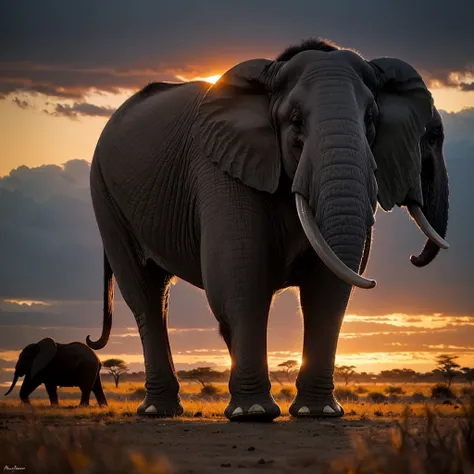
(63, 365)
(266, 180)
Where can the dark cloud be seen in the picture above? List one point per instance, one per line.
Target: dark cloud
(22, 103)
(458, 128)
(53, 45)
(80, 109)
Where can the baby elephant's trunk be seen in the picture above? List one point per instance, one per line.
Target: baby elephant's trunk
(15, 380)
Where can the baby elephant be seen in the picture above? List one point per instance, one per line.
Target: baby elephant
(63, 365)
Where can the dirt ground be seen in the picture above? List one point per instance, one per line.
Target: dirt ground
(200, 445)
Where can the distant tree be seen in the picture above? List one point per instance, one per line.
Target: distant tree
(446, 366)
(399, 375)
(345, 372)
(289, 366)
(203, 375)
(115, 367)
(468, 374)
(278, 376)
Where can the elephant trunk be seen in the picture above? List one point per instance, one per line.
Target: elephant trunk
(434, 179)
(15, 380)
(339, 212)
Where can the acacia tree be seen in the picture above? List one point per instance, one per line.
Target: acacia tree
(115, 367)
(203, 375)
(447, 367)
(468, 374)
(289, 366)
(346, 372)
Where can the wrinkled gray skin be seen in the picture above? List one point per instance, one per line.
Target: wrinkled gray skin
(198, 182)
(63, 365)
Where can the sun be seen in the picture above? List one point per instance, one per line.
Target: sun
(212, 79)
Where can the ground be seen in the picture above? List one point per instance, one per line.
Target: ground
(204, 442)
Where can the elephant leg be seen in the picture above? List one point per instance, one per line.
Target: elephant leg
(323, 299)
(236, 277)
(52, 390)
(99, 392)
(145, 289)
(85, 397)
(27, 387)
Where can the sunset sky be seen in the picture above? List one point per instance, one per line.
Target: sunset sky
(65, 67)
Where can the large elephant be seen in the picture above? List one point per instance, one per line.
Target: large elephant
(230, 187)
(64, 365)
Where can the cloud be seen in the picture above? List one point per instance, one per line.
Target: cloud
(458, 129)
(62, 51)
(22, 103)
(80, 109)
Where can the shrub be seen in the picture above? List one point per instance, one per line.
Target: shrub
(360, 389)
(393, 398)
(442, 391)
(418, 397)
(376, 397)
(346, 394)
(393, 390)
(139, 392)
(287, 393)
(467, 391)
(210, 391)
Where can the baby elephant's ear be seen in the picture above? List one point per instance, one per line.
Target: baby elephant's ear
(47, 350)
(235, 128)
(405, 106)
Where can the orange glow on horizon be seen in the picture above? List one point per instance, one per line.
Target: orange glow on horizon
(211, 79)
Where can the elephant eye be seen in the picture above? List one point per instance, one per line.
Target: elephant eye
(296, 122)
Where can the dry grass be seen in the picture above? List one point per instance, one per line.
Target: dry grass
(77, 449)
(434, 452)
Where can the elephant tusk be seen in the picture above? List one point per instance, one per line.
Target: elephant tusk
(325, 253)
(417, 214)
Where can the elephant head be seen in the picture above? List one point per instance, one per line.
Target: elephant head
(345, 131)
(33, 359)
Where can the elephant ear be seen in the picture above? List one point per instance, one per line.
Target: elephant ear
(405, 107)
(47, 350)
(235, 128)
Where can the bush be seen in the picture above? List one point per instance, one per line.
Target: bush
(360, 389)
(393, 390)
(376, 397)
(442, 391)
(467, 391)
(139, 392)
(287, 393)
(418, 397)
(210, 391)
(346, 394)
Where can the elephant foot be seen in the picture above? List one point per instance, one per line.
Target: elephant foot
(257, 408)
(324, 406)
(160, 408)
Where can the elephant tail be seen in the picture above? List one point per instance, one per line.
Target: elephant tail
(108, 307)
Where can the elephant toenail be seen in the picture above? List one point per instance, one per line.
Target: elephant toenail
(256, 409)
(328, 409)
(303, 411)
(237, 411)
(151, 409)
